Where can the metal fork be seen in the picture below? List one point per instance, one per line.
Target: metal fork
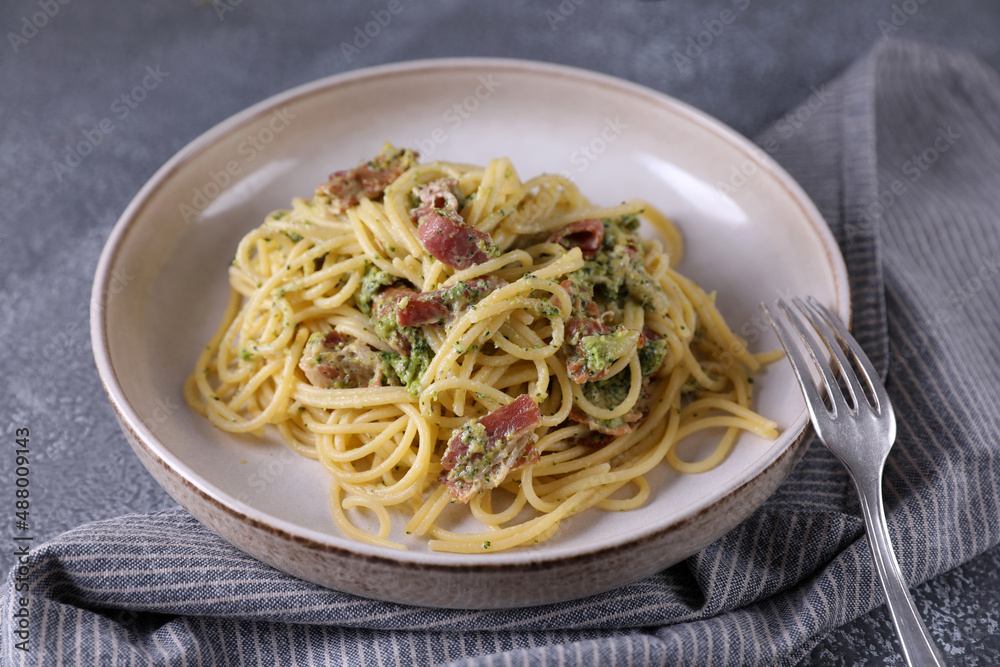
(860, 428)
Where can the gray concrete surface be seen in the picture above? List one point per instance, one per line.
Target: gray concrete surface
(69, 69)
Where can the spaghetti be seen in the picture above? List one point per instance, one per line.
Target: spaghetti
(448, 340)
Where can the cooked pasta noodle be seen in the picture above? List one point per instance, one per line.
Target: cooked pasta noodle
(561, 302)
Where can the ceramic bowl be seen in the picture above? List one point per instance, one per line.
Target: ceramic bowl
(161, 285)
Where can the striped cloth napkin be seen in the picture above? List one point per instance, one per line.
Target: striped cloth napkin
(900, 154)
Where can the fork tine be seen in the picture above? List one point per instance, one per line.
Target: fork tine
(799, 364)
(878, 390)
(819, 321)
(837, 399)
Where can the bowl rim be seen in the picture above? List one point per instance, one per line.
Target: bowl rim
(157, 451)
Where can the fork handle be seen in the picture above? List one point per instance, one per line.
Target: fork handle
(918, 648)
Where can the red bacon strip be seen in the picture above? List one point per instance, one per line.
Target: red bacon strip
(587, 235)
(369, 179)
(455, 243)
(443, 232)
(444, 304)
(504, 443)
(385, 308)
(581, 298)
(512, 419)
(421, 309)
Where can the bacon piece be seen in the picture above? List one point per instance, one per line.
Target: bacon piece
(395, 309)
(336, 360)
(578, 327)
(648, 335)
(455, 243)
(385, 317)
(443, 232)
(512, 419)
(587, 235)
(446, 304)
(369, 179)
(421, 309)
(482, 452)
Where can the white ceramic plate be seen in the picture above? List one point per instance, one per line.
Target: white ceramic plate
(161, 285)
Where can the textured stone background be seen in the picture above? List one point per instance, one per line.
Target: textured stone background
(62, 80)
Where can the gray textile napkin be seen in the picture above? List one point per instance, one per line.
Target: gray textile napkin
(900, 154)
